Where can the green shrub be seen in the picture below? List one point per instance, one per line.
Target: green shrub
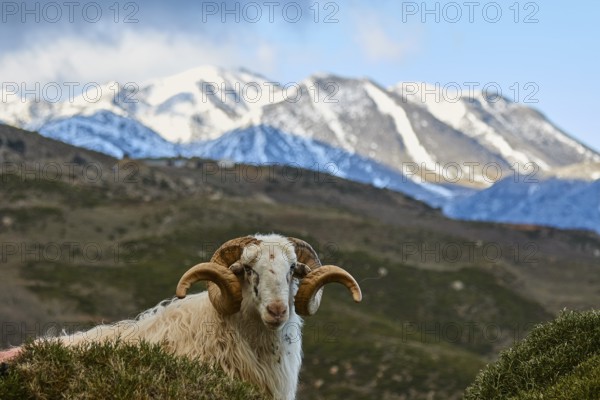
(558, 360)
(49, 370)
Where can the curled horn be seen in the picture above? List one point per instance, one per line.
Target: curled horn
(308, 298)
(224, 288)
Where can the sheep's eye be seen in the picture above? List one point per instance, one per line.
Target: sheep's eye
(292, 267)
(248, 269)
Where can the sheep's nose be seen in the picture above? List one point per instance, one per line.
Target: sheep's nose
(277, 310)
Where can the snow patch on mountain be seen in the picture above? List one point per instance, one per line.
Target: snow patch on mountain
(111, 134)
(582, 171)
(403, 126)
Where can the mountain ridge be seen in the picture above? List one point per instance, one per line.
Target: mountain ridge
(390, 124)
(439, 151)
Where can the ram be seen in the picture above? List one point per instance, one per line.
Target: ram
(249, 321)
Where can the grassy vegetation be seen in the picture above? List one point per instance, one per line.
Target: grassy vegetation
(27, 188)
(354, 361)
(477, 315)
(21, 218)
(557, 360)
(117, 371)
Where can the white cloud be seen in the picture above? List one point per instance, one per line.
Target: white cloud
(382, 39)
(135, 56)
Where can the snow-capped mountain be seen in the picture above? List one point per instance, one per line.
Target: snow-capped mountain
(562, 203)
(391, 126)
(111, 134)
(518, 134)
(198, 104)
(428, 146)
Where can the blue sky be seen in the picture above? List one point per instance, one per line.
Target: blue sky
(548, 57)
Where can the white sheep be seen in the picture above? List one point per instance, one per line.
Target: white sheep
(247, 322)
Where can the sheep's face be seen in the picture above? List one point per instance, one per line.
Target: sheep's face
(269, 269)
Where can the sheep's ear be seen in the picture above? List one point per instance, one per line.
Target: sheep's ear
(237, 267)
(301, 270)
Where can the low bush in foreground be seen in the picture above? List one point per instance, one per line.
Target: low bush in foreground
(114, 370)
(557, 360)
